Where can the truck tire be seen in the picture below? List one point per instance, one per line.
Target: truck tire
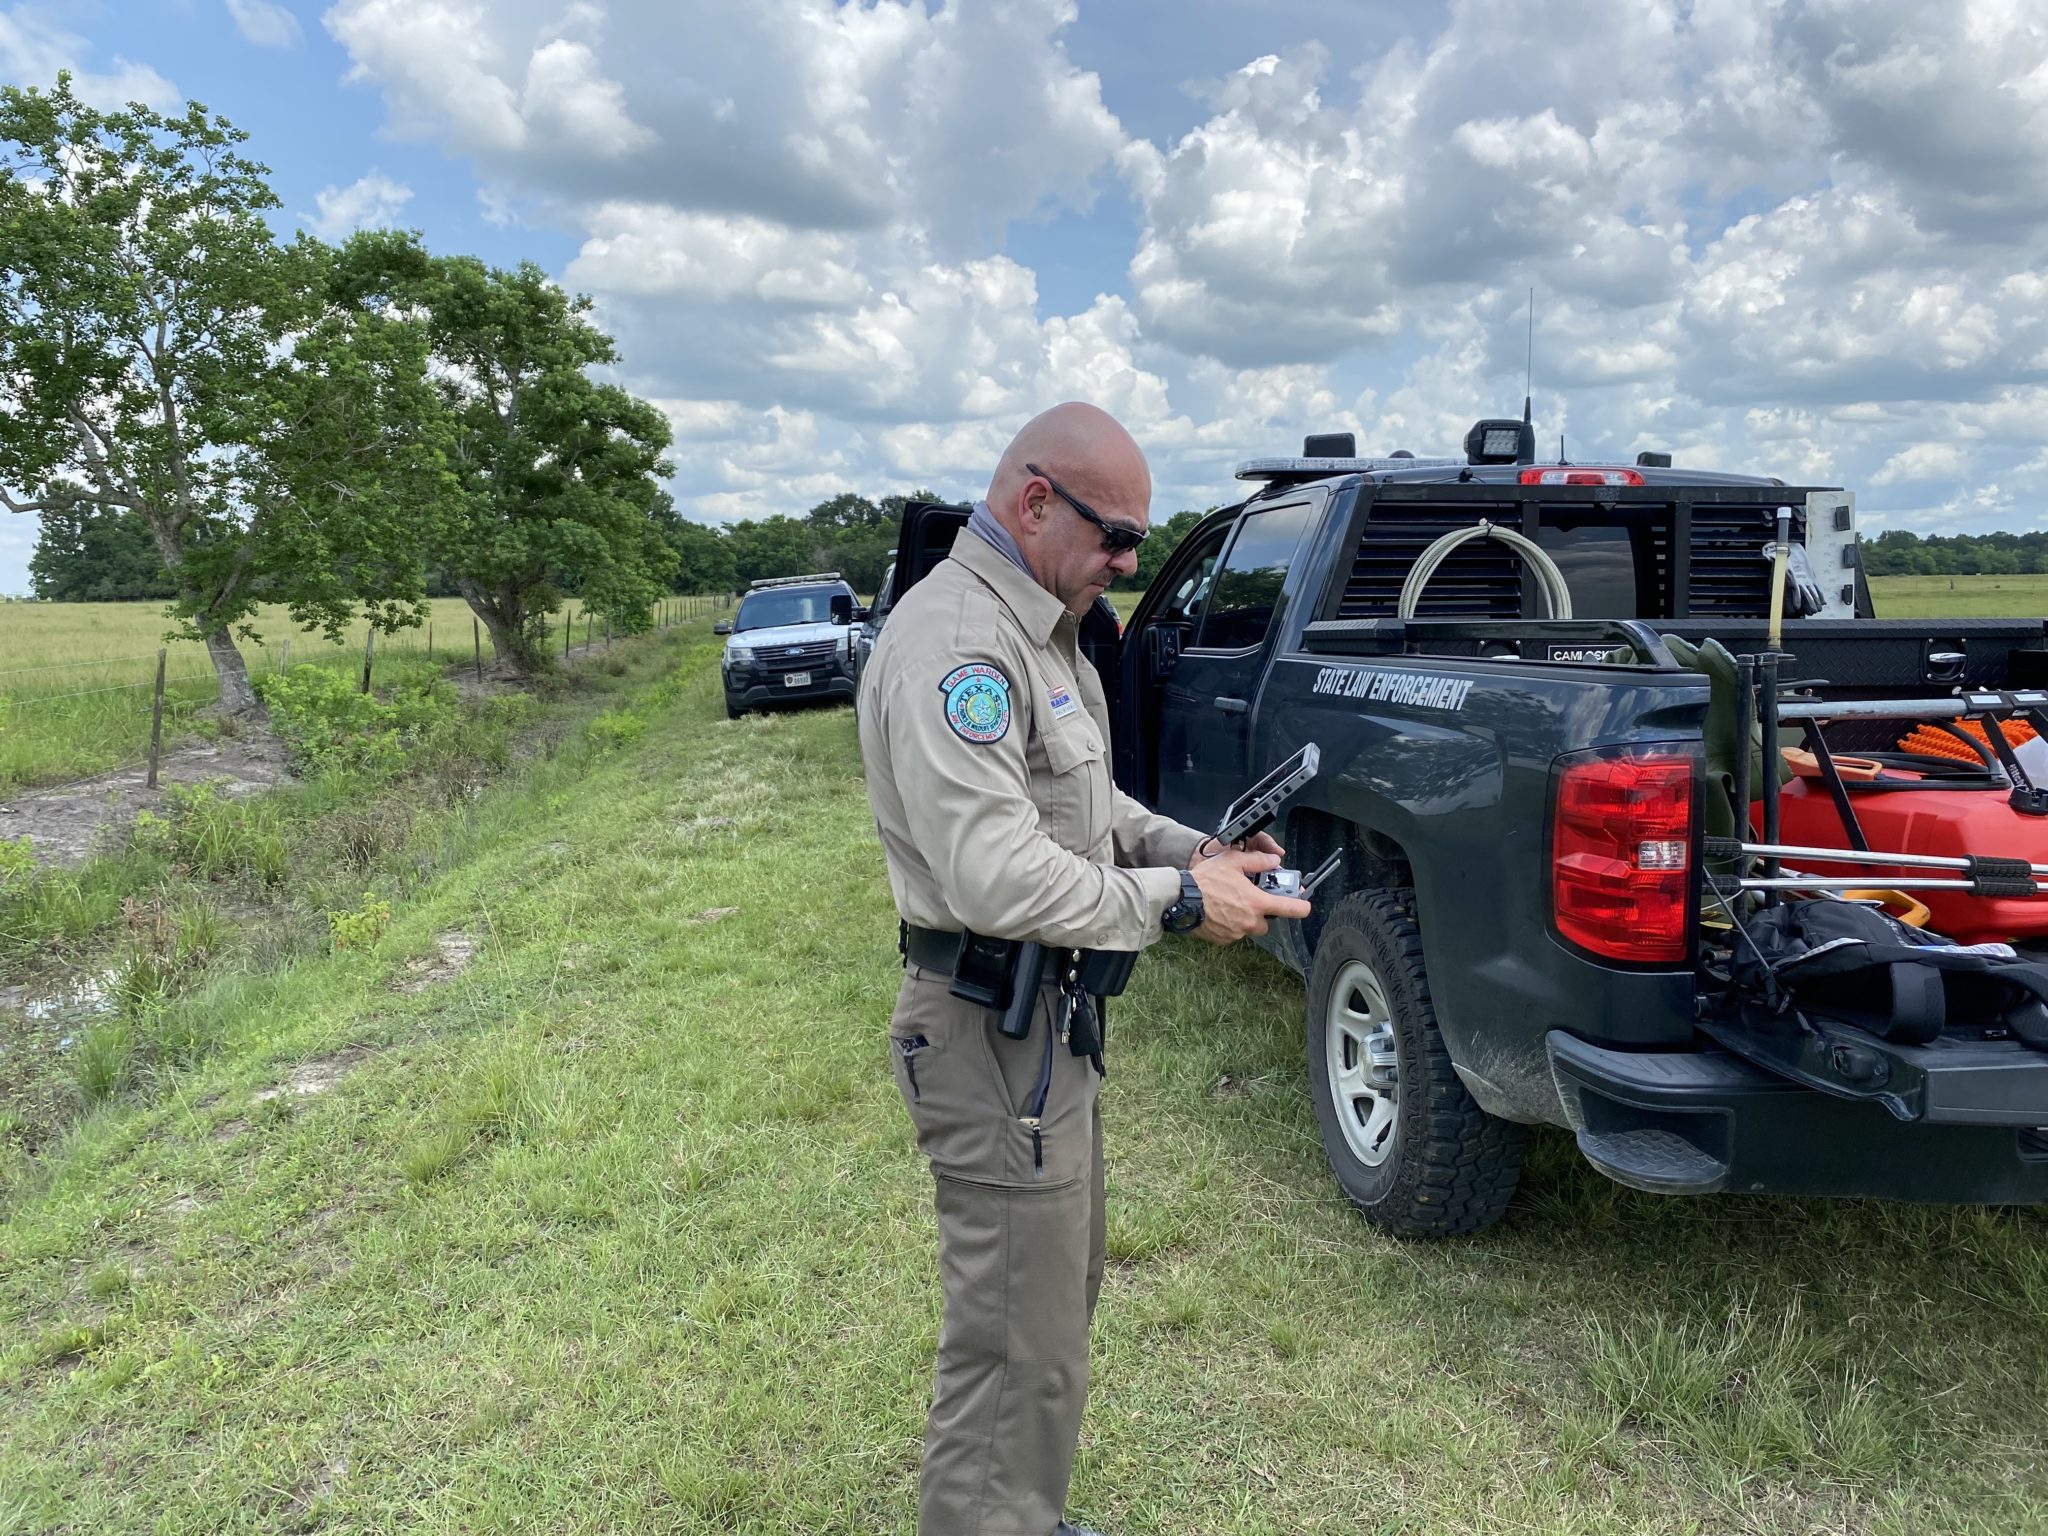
(1407, 1143)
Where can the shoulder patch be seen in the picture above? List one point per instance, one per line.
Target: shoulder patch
(977, 702)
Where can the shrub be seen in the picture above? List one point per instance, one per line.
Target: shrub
(329, 724)
(614, 729)
(16, 862)
(363, 927)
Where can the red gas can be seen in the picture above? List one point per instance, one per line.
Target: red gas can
(1950, 823)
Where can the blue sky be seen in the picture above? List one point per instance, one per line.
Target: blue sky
(856, 245)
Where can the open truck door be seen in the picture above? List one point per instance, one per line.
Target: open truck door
(929, 528)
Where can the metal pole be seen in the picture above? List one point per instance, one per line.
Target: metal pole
(1873, 857)
(1912, 709)
(1745, 716)
(1862, 883)
(156, 718)
(1767, 690)
(568, 631)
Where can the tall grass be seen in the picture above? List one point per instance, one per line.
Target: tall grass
(76, 679)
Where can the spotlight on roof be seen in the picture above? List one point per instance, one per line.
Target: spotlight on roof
(1500, 442)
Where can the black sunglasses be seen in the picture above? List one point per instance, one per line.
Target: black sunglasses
(1116, 538)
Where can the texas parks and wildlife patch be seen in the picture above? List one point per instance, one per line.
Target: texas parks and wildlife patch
(977, 702)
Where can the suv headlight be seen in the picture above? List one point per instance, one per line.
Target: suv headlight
(739, 655)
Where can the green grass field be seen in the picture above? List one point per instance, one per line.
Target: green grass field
(76, 678)
(622, 1229)
(1960, 597)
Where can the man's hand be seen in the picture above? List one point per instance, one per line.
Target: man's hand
(1232, 907)
(1208, 848)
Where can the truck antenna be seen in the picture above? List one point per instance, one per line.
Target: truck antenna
(1529, 369)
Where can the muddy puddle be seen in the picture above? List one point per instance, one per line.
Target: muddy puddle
(41, 1025)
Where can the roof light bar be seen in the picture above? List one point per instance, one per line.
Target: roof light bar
(1308, 468)
(793, 581)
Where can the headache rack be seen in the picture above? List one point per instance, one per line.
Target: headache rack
(1616, 545)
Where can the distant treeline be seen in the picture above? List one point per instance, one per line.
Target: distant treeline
(1897, 552)
(86, 555)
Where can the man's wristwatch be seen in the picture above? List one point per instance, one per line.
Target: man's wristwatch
(1185, 915)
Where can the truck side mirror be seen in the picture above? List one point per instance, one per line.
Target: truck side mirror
(722, 627)
(842, 608)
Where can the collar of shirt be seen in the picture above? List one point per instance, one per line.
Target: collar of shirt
(1036, 609)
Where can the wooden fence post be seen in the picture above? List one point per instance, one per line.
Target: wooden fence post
(586, 629)
(284, 654)
(430, 639)
(476, 635)
(568, 631)
(156, 717)
(369, 647)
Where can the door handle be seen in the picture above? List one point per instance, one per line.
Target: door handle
(1233, 706)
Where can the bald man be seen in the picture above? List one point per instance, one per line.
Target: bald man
(985, 737)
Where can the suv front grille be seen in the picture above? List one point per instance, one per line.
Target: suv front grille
(800, 657)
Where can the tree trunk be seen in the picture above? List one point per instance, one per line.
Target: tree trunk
(505, 618)
(236, 696)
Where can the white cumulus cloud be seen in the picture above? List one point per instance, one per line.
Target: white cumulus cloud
(265, 23)
(374, 201)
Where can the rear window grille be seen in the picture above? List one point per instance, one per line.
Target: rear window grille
(1482, 579)
(1727, 574)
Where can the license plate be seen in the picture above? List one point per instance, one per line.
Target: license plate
(796, 680)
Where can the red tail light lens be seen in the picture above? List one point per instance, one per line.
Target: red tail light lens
(1621, 853)
(1581, 477)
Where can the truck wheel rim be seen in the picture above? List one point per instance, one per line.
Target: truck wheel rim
(1365, 1075)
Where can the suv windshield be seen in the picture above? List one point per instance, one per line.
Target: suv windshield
(766, 610)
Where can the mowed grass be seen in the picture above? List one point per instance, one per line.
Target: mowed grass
(622, 1229)
(76, 679)
(1959, 597)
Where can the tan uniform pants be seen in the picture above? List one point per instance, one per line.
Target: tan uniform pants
(1020, 1257)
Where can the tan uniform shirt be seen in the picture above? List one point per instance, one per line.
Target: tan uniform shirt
(986, 739)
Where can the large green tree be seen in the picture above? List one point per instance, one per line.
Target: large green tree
(86, 554)
(704, 560)
(162, 354)
(559, 474)
(776, 546)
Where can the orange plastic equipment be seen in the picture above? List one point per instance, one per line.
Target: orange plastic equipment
(1947, 822)
(1932, 741)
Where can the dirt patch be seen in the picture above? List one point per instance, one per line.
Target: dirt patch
(454, 950)
(67, 824)
(714, 915)
(315, 1076)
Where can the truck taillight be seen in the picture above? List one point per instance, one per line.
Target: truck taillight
(1621, 852)
(1580, 477)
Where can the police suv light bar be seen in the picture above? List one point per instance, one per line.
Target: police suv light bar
(1310, 469)
(792, 581)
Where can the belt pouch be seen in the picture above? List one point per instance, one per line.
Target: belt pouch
(1106, 972)
(983, 970)
(1025, 980)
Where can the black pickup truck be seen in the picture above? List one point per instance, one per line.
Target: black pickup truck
(1466, 975)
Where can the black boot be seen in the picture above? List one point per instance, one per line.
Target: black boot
(1065, 1529)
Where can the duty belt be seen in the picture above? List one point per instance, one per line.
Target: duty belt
(932, 949)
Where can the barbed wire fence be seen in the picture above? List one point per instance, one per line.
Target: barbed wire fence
(190, 684)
